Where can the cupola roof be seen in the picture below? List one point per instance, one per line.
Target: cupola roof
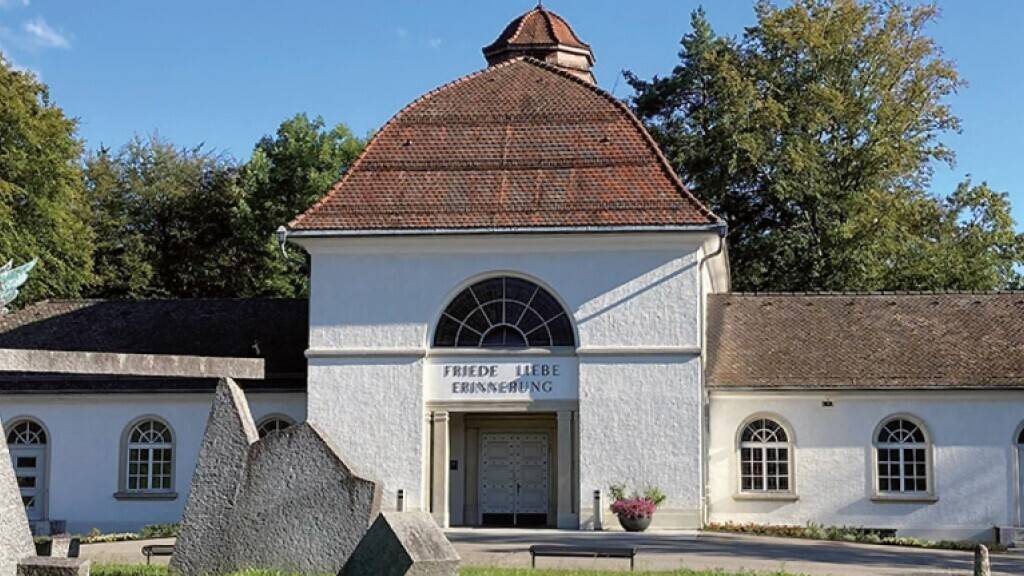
(544, 35)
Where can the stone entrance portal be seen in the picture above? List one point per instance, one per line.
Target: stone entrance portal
(515, 468)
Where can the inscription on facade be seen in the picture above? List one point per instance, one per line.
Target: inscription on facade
(495, 380)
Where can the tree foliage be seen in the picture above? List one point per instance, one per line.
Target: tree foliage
(815, 136)
(288, 173)
(166, 222)
(174, 222)
(42, 208)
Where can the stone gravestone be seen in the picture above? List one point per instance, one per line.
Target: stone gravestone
(286, 502)
(203, 545)
(403, 544)
(15, 537)
(53, 566)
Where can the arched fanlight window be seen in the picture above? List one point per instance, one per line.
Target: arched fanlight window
(150, 457)
(26, 433)
(504, 312)
(901, 449)
(765, 457)
(272, 424)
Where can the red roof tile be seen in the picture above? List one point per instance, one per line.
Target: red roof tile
(865, 341)
(517, 145)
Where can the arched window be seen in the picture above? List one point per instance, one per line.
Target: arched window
(149, 457)
(765, 457)
(902, 455)
(273, 423)
(504, 312)
(26, 433)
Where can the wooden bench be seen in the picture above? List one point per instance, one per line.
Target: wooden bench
(582, 552)
(157, 550)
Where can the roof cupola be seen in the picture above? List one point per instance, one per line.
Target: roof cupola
(544, 35)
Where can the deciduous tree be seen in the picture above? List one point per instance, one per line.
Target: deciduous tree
(286, 174)
(815, 136)
(42, 208)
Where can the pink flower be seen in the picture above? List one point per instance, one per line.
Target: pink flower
(634, 508)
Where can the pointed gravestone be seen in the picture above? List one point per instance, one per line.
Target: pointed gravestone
(286, 502)
(203, 543)
(403, 544)
(15, 537)
(302, 510)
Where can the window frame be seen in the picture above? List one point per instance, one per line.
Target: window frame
(925, 496)
(275, 416)
(7, 427)
(126, 493)
(1017, 449)
(790, 494)
(465, 286)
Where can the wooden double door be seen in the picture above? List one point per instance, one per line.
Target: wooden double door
(515, 473)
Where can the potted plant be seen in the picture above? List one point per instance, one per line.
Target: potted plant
(635, 511)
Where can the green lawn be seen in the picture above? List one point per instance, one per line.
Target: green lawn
(142, 570)
(528, 572)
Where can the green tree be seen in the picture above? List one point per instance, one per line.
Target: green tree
(42, 207)
(287, 173)
(170, 223)
(815, 136)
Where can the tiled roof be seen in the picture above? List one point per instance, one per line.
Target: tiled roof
(539, 26)
(273, 329)
(520, 144)
(866, 341)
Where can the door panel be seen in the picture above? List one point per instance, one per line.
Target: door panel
(532, 474)
(497, 474)
(29, 468)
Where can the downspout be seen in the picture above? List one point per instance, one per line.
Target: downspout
(705, 408)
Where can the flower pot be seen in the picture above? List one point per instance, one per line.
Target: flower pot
(634, 524)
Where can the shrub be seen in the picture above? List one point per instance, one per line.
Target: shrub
(841, 534)
(160, 531)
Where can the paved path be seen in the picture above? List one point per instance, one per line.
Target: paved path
(671, 550)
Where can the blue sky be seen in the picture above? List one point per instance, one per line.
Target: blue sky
(226, 72)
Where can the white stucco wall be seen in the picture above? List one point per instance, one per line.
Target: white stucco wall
(84, 450)
(640, 425)
(635, 303)
(973, 450)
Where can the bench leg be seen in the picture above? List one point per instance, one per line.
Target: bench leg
(533, 561)
(631, 561)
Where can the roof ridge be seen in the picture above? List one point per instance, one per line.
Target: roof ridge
(547, 23)
(648, 139)
(551, 27)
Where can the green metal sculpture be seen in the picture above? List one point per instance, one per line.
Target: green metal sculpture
(11, 279)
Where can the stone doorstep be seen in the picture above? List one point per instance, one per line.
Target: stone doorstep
(53, 566)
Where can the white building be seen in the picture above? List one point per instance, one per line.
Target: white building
(515, 303)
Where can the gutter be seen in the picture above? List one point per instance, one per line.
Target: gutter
(718, 227)
(705, 409)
